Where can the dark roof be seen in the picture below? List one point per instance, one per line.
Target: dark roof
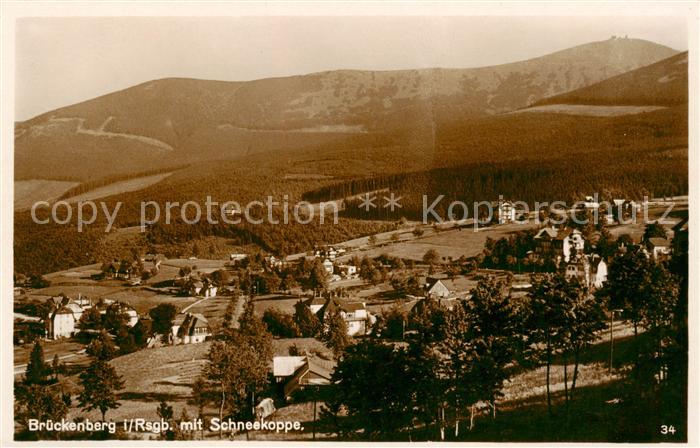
(431, 282)
(353, 306)
(659, 242)
(280, 347)
(321, 368)
(188, 322)
(199, 321)
(315, 301)
(334, 304)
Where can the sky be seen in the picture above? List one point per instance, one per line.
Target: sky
(62, 61)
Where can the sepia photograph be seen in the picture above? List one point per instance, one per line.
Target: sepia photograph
(298, 223)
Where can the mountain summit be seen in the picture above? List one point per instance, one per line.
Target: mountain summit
(173, 120)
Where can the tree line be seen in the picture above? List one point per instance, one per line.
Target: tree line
(454, 362)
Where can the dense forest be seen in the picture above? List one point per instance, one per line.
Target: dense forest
(547, 157)
(630, 176)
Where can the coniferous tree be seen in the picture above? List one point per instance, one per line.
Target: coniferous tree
(102, 347)
(42, 403)
(99, 383)
(91, 319)
(492, 332)
(37, 370)
(546, 322)
(373, 383)
(162, 316)
(57, 367)
(584, 320)
(335, 333)
(308, 323)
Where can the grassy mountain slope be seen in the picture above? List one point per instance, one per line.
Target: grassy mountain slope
(173, 121)
(664, 83)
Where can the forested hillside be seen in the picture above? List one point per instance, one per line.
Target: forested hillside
(172, 121)
(413, 151)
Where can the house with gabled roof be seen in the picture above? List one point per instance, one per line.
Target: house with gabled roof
(118, 270)
(63, 321)
(315, 304)
(354, 314)
(506, 212)
(547, 241)
(436, 289)
(300, 372)
(125, 309)
(196, 287)
(559, 242)
(189, 328)
(591, 270)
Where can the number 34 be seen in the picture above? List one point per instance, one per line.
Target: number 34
(668, 429)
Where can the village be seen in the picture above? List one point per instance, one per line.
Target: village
(162, 314)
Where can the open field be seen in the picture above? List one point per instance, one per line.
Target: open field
(73, 274)
(27, 192)
(141, 299)
(589, 110)
(214, 309)
(207, 266)
(448, 243)
(636, 229)
(51, 348)
(167, 373)
(283, 303)
(123, 186)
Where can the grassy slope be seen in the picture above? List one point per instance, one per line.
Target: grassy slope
(664, 83)
(27, 192)
(204, 120)
(168, 373)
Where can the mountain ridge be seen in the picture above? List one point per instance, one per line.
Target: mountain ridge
(204, 120)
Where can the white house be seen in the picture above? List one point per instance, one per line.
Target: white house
(190, 329)
(591, 270)
(328, 266)
(63, 322)
(347, 270)
(354, 314)
(601, 275)
(315, 304)
(573, 242)
(201, 288)
(578, 268)
(328, 252)
(506, 212)
(264, 409)
(436, 289)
